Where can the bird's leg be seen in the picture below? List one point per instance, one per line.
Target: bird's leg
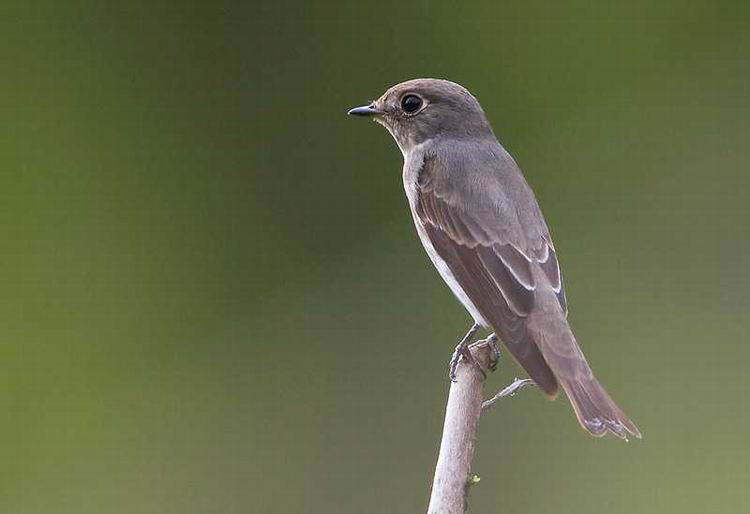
(462, 350)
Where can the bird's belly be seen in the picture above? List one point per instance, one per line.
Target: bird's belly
(447, 274)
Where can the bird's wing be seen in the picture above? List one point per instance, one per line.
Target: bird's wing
(483, 243)
(507, 235)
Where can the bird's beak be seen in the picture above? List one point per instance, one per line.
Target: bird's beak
(365, 110)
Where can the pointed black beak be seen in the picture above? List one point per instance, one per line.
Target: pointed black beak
(365, 110)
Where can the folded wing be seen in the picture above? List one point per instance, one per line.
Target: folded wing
(494, 272)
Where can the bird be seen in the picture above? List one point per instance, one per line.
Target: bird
(481, 226)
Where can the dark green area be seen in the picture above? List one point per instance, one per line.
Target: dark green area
(213, 299)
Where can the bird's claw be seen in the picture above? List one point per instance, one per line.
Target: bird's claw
(463, 349)
(465, 352)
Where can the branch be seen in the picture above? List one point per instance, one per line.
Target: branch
(453, 475)
(511, 390)
(453, 471)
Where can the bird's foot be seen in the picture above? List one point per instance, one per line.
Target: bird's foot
(463, 350)
(495, 358)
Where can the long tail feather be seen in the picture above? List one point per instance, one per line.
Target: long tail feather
(596, 411)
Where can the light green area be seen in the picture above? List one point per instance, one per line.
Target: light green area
(213, 300)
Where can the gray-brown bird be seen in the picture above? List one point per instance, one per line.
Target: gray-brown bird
(481, 225)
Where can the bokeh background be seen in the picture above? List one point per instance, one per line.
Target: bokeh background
(213, 299)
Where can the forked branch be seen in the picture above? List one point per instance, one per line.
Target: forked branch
(453, 475)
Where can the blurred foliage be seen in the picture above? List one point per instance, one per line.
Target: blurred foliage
(213, 297)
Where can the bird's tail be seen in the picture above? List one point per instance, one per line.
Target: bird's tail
(595, 409)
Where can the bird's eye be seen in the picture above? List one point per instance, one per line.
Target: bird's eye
(411, 103)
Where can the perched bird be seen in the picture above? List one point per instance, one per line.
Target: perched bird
(482, 228)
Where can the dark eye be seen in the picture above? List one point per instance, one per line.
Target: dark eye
(411, 103)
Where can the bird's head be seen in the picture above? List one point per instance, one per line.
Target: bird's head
(419, 110)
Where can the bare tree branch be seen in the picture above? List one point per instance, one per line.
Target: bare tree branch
(453, 470)
(511, 390)
(453, 475)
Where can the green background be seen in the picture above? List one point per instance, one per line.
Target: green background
(213, 299)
